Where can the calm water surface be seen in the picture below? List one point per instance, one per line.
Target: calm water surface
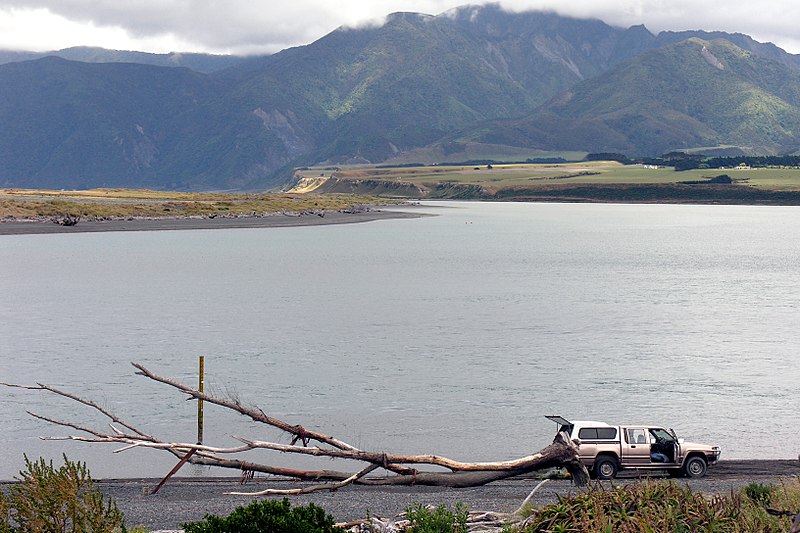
(452, 334)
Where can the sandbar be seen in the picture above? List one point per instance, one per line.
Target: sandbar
(16, 227)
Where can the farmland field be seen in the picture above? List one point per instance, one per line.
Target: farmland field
(582, 181)
(592, 172)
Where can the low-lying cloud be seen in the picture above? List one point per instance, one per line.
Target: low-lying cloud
(266, 26)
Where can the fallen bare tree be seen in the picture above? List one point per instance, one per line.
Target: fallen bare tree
(402, 469)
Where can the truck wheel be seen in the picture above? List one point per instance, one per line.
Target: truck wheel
(605, 468)
(695, 467)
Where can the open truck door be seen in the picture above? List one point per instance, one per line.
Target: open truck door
(563, 423)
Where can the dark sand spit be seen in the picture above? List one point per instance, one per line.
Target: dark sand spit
(14, 227)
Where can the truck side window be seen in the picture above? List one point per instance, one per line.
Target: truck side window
(597, 433)
(636, 436)
(607, 433)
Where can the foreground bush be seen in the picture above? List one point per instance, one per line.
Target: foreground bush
(667, 506)
(50, 500)
(268, 516)
(759, 493)
(5, 524)
(438, 520)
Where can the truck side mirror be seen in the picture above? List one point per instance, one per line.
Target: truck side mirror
(652, 440)
(680, 441)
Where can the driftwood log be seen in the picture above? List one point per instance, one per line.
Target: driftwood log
(66, 220)
(401, 469)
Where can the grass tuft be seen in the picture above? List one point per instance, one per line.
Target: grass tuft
(114, 203)
(655, 506)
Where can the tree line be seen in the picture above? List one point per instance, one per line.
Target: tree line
(683, 161)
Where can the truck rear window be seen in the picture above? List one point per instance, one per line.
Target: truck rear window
(597, 433)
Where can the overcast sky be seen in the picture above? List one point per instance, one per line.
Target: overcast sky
(267, 26)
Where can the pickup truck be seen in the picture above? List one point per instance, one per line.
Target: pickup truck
(605, 449)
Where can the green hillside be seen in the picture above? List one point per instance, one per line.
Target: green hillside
(691, 94)
(474, 80)
(69, 124)
(372, 93)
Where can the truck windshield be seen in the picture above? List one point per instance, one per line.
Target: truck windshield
(662, 435)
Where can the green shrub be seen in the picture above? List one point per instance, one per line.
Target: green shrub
(268, 516)
(439, 520)
(50, 500)
(759, 493)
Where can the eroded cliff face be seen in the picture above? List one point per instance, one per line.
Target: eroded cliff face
(287, 128)
(369, 187)
(138, 149)
(393, 188)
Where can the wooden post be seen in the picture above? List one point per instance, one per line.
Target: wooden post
(200, 402)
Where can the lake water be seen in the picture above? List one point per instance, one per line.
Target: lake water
(452, 334)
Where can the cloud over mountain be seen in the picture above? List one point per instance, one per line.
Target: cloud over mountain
(265, 26)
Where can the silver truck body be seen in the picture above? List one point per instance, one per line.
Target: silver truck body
(606, 449)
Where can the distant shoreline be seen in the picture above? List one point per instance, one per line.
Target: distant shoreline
(36, 227)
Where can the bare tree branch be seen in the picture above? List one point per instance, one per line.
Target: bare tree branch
(93, 405)
(307, 490)
(203, 458)
(300, 433)
(521, 507)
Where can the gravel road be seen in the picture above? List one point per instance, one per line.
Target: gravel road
(189, 499)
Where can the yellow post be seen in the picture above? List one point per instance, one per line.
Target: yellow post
(200, 402)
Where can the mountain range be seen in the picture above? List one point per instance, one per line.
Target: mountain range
(474, 76)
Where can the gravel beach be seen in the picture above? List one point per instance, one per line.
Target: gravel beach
(189, 499)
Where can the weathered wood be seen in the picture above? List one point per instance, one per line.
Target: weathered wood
(175, 468)
(93, 405)
(66, 220)
(308, 490)
(521, 507)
